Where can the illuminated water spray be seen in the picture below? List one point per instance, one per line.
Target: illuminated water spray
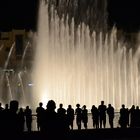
(74, 66)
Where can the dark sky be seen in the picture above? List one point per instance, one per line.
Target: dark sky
(124, 14)
(18, 14)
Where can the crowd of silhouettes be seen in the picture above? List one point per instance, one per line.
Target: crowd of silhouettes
(50, 120)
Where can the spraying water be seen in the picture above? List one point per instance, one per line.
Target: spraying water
(76, 60)
(9, 55)
(24, 53)
(22, 88)
(9, 87)
(1, 47)
(3, 74)
(14, 83)
(74, 66)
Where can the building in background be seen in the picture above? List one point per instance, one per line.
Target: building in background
(20, 54)
(22, 42)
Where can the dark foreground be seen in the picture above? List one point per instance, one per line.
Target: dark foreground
(90, 134)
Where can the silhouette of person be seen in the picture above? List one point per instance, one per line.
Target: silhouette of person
(70, 116)
(137, 114)
(4, 116)
(21, 119)
(28, 118)
(85, 116)
(110, 112)
(10, 121)
(78, 112)
(102, 114)
(1, 108)
(40, 112)
(50, 117)
(6, 107)
(62, 118)
(95, 116)
(50, 121)
(127, 115)
(6, 110)
(123, 121)
(132, 113)
(61, 111)
(1, 116)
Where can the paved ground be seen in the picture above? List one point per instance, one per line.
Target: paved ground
(90, 134)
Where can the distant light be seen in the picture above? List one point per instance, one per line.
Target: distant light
(8, 70)
(19, 84)
(30, 84)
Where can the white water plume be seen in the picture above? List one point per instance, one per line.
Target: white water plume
(72, 66)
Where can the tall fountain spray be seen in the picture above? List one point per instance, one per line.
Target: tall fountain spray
(73, 65)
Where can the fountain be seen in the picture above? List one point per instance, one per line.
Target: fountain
(74, 65)
(75, 61)
(14, 83)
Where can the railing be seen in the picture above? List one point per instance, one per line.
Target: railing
(90, 122)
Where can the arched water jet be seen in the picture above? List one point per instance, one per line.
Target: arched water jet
(23, 101)
(9, 55)
(24, 54)
(4, 72)
(10, 96)
(1, 47)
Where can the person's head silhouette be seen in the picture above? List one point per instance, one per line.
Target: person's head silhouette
(69, 106)
(14, 105)
(84, 106)
(123, 106)
(102, 102)
(51, 105)
(40, 104)
(77, 105)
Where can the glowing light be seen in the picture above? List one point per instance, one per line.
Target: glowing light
(76, 67)
(19, 84)
(30, 84)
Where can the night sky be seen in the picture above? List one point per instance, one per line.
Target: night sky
(125, 14)
(18, 14)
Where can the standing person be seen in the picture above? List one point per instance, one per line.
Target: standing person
(1, 108)
(21, 119)
(123, 121)
(110, 112)
(61, 111)
(51, 126)
(70, 116)
(95, 116)
(78, 112)
(50, 121)
(102, 114)
(10, 122)
(40, 112)
(6, 107)
(28, 118)
(4, 117)
(1, 116)
(132, 113)
(85, 116)
(6, 110)
(137, 114)
(62, 118)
